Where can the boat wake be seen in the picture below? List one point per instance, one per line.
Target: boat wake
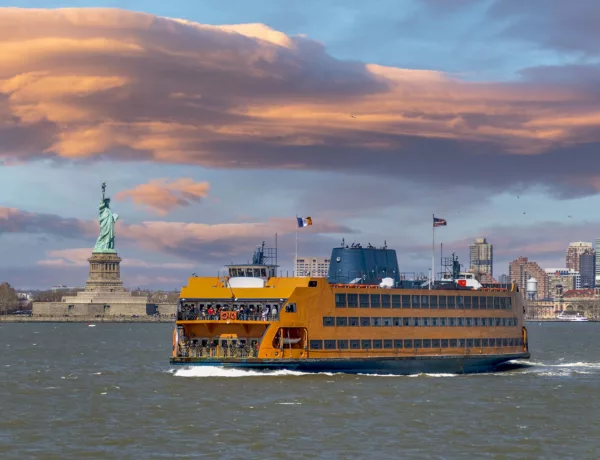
(558, 369)
(217, 371)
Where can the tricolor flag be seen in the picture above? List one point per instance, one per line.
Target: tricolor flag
(304, 221)
(438, 222)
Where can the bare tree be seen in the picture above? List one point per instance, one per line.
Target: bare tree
(9, 300)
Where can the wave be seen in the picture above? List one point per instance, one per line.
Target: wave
(218, 371)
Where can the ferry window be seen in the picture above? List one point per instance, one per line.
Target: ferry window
(426, 343)
(497, 321)
(425, 321)
(365, 321)
(248, 272)
(328, 321)
(375, 301)
(482, 303)
(377, 344)
(397, 321)
(461, 322)
(467, 300)
(451, 302)
(453, 343)
(364, 300)
(496, 303)
(442, 301)
(469, 322)
(330, 344)
(376, 321)
(312, 283)
(418, 343)
(406, 321)
(387, 343)
(343, 344)
(509, 303)
(396, 301)
(505, 342)
(504, 322)
(433, 301)
(263, 272)
(477, 343)
(398, 343)
(462, 343)
(434, 322)
(452, 322)
(435, 343)
(386, 321)
(385, 301)
(405, 301)
(365, 344)
(445, 343)
(485, 343)
(257, 272)
(475, 302)
(476, 322)
(416, 301)
(469, 343)
(515, 321)
(316, 344)
(460, 302)
(443, 322)
(290, 308)
(424, 301)
(408, 343)
(416, 321)
(352, 300)
(341, 321)
(340, 300)
(353, 321)
(354, 344)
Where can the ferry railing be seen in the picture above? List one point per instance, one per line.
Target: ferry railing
(195, 315)
(218, 351)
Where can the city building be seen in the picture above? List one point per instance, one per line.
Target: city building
(574, 251)
(587, 268)
(504, 279)
(481, 257)
(521, 270)
(597, 283)
(561, 280)
(312, 266)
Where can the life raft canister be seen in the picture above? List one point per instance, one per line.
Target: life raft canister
(233, 315)
(175, 340)
(224, 315)
(525, 344)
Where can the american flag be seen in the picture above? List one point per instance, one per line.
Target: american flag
(437, 222)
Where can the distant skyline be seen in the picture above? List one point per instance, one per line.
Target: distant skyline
(215, 129)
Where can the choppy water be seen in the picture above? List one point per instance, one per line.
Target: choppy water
(68, 391)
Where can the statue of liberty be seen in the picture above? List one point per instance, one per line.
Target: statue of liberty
(106, 241)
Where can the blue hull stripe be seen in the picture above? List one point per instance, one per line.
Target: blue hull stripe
(397, 366)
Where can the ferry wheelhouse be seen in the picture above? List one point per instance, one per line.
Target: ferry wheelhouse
(363, 318)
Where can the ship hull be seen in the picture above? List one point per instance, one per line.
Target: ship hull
(387, 366)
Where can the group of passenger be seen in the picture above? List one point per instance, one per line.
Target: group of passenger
(227, 349)
(242, 312)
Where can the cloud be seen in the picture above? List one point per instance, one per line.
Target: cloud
(17, 221)
(97, 83)
(162, 196)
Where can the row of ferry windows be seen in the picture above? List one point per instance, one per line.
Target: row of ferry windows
(368, 344)
(367, 321)
(422, 301)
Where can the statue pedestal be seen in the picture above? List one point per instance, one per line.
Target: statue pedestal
(105, 273)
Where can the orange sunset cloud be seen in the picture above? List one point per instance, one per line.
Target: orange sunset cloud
(80, 83)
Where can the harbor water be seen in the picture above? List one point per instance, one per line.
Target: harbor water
(70, 391)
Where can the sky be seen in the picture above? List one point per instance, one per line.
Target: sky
(216, 123)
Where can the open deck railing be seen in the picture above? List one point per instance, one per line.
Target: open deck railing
(218, 351)
(195, 315)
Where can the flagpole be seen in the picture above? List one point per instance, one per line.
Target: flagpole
(432, 278)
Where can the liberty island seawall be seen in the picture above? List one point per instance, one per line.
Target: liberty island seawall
(69, 391)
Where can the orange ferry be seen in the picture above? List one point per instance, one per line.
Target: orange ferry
(362, 318)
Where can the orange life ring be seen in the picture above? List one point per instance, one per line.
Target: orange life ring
(233, 315)
(224, 315)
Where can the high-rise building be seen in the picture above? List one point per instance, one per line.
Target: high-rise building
(587, 268)
(574, 251)
(597, 263)
(312, 266)
(562, 280)
(521, 269)
(481, 257)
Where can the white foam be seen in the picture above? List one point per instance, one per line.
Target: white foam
(218, 371)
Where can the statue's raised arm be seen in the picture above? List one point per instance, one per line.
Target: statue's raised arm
(106, 239)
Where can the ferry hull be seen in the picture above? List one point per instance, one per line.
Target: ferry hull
(387, 366)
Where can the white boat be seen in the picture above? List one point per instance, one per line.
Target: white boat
(564, 316)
